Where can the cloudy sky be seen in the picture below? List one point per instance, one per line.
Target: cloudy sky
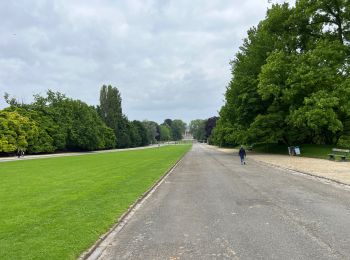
(168, 58)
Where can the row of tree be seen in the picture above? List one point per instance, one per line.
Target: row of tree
(57, 123)
(201, 129)
(290, 80)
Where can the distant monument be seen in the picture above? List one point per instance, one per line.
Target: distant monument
(188, 136)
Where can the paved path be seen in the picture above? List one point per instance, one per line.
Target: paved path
(211, 207)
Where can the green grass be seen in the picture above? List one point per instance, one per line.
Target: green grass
(56, 208)
(307, 150)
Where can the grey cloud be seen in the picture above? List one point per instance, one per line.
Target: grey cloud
(168, 58)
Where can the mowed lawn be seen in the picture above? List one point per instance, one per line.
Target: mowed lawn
(56, 208)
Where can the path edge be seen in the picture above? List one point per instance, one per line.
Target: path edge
(293, 170)
(123, 219)
(301, 172)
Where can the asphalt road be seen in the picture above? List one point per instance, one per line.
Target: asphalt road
(211, 207)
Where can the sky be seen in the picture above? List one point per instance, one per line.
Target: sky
(168, 58)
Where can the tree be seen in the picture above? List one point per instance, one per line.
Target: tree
(178, 128)
(15, 131)
(87, 131)
(290, 79)
(110, 110)
(243, 101)
(142, 132)
(152, 129)
(210, 124)
(43, 142)
(197, 129)
(165, 132)
(64, 124)
(124, 135)
(135, 137)
(168, 121)
(330, 18)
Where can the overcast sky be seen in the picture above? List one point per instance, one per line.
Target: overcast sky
(168, 58)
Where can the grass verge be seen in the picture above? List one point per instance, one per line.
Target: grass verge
(56, 208)
(307, 150)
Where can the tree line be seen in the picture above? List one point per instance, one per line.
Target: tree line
(201, 129)
(55, 122)
(290, 80)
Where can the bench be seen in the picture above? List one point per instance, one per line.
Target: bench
(342, 153)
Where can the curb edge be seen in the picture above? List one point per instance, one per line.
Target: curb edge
(302, 172)
(123, 219)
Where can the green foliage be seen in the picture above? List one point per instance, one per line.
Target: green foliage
(197, 129)
(165, 132)
(307, 150)
(290, 80)
(55, 122)
(43, 141)
(210, 124)
(110, 108)
(15, 131)
(152, 130)
(128, 134)
(178, 128)
(142, 133)
(74, 124)
(87, 131)
(172, 130)
(124, 133)
(51, 123)
(202, 129)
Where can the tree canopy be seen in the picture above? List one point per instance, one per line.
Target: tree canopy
(54, 122)
(290, 79)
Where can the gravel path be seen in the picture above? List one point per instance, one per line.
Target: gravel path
(337, 171)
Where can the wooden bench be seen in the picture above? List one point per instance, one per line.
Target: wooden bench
(342, 153)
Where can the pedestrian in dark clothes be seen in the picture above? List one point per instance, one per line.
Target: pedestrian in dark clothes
(242, 154)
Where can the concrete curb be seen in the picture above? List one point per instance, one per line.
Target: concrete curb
(94, 252)
(301, 172)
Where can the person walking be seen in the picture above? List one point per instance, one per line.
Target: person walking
(242, 154)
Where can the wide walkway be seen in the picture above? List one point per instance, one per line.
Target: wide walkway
(211, 207)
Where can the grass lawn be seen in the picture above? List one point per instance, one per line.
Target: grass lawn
(56, 208)
(307, 150)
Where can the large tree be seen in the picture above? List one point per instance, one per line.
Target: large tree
(165, 132)
(197, 129)
(142, 132)
(290, 79)
(110, 110)
(61, 123)
(210, 124)
(152, 129)
(15, 131)
(178, 128)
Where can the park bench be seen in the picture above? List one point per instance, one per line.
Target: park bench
(342, 153)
